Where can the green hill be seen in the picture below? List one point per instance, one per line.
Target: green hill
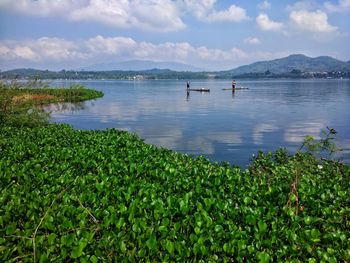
(293, 63)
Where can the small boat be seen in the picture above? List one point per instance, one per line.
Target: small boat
(241, 88)
(200, 90)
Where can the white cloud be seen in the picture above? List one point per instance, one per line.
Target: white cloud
(233, 13)
(25, 53)
(42, 49)
(266, 24)
(342, 6)
(142, 14)
(59, 53)
(43, 7)
(264, 5)
(57, 49)
(311, 21)
(302, 5)
(252, 40)
(199, 8)
(111, 45)
(167, 51)
(147, 15)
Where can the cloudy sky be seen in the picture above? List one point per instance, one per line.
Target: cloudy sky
(209, 34)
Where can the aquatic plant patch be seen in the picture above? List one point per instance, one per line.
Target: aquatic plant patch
(97, 196)
(20, 106)
(46, 95)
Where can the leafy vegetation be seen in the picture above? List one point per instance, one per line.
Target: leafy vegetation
(20, 102)
(98, 196)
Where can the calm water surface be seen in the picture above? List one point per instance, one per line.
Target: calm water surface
(220, 125)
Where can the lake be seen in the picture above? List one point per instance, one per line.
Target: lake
(221, 125)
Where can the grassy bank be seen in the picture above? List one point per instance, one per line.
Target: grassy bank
(107, 196)
(20, 103)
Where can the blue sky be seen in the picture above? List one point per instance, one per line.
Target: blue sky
(209, 34)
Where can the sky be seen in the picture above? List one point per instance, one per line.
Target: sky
(207, 34)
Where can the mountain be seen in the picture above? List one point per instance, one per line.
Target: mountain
(141, 65)
(292, 63)
(294, 66)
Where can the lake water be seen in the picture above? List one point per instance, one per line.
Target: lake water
(220, 125)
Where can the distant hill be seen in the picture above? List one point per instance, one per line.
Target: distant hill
(24, 72)
(141, 65)
(294, 66)
(293, 63)
(110, 74)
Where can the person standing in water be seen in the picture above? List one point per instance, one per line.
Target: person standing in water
(187, 84)
(233, 84)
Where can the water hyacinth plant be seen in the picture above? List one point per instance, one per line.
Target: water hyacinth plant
(96, 196)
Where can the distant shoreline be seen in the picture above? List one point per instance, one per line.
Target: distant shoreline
(160, 74)
(295, 66)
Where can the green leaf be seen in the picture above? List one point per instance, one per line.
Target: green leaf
(93, 259)
(120, 223)
(170, 247)
(315, 233)
(262, 226)
(82, 244)
(76, 252)
(250, 219)
(308, 220)
(122, 246)
(43, 258)
(152, 243)
(51, 238)
(226, 247)
(67, 240)
(163, 229)
(264, 257)
(11, 228)
(183, 207)
(218, 228)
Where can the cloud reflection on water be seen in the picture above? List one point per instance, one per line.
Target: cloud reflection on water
(267, 116)
(296, 132)
(259, 131)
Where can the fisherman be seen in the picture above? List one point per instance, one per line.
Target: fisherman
(233, 84)
(187, 84)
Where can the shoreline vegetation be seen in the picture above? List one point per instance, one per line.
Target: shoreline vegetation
(94, 196)
(20, 103)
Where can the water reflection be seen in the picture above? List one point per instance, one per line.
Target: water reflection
(268, 115)
(66, 107)
(259, 131)
(296, 132)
